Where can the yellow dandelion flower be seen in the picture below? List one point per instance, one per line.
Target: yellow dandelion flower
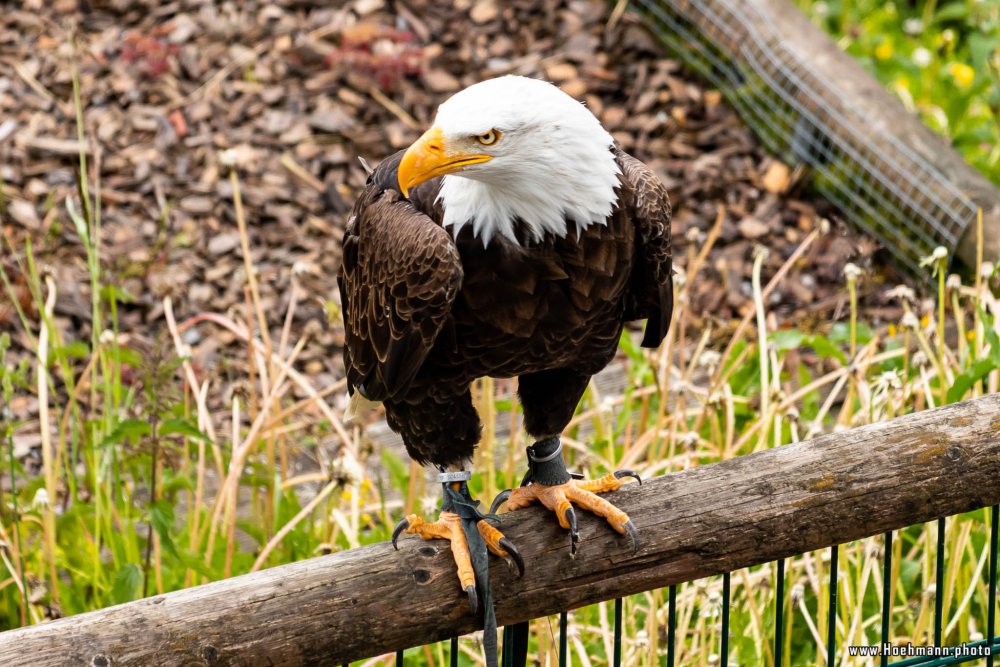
(346, 496)
(924, 321)
(962, 73)
(892, 330)
(884, 51)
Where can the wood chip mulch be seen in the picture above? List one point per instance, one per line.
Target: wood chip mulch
(294, 91)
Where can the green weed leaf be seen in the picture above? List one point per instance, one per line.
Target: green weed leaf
(964, 381)
(129, 429)
(185, 427)
(161, 514)
(399, 474)
(128, 580)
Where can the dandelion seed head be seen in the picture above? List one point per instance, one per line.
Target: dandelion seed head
(41, 499)
(797, 592)
(913, 26)
(909, 320)
(903, 293)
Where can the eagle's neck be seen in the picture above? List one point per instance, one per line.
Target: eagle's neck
(564, 186)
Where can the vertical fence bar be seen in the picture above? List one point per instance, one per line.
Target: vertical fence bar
(991, 614)
(507, 651)
(939, 584)
(831, 630)
(724, 650)
(779, 613)
(563, 638)
(886, 597)
(399, 659)
(618, 633)
(454, 652)
(671, 625)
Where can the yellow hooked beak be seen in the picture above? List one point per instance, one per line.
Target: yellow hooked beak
(431, 156)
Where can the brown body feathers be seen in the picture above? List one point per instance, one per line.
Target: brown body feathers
(426, 314)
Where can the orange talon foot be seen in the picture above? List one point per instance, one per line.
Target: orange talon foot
(449, 527)
(561, 498)
(501, 546)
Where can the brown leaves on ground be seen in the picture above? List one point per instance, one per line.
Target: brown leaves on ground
(298, 90)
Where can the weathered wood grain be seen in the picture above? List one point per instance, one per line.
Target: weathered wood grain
(694, 523)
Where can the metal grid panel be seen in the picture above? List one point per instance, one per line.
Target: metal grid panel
(878, 182)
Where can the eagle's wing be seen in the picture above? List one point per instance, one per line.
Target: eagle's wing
(398, 279)
(652, 292)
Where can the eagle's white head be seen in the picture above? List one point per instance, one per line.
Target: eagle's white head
(516, 149)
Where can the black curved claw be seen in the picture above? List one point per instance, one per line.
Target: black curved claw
(499, 500)
(633, 534)
(628, 473)
(512, 555)
(398, 530)
(473, 600)
(574, 534)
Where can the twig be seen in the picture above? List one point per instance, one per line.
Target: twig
(289, 163)
(45, 427)
(34, 83)
(393, 108)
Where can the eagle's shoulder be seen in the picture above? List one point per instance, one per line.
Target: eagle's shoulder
(385, 178)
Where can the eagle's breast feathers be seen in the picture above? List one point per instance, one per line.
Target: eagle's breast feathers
(429, 303)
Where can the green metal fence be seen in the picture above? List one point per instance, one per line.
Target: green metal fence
(834, 652)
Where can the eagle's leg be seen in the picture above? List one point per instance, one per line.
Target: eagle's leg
(549, 483)
(458, 510)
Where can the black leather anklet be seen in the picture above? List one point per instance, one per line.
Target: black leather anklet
(545, 463)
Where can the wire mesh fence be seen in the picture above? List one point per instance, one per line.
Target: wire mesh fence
(875, 180)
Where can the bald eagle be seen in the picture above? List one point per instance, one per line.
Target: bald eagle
(515, 238)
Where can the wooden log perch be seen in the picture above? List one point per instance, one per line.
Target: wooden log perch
(699, 522)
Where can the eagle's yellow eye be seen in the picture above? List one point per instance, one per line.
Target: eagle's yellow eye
(489, 138)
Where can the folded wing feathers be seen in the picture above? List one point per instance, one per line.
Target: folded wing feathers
(400, 279)
(652, 281)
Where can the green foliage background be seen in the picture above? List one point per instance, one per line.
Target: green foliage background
(942, 59)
